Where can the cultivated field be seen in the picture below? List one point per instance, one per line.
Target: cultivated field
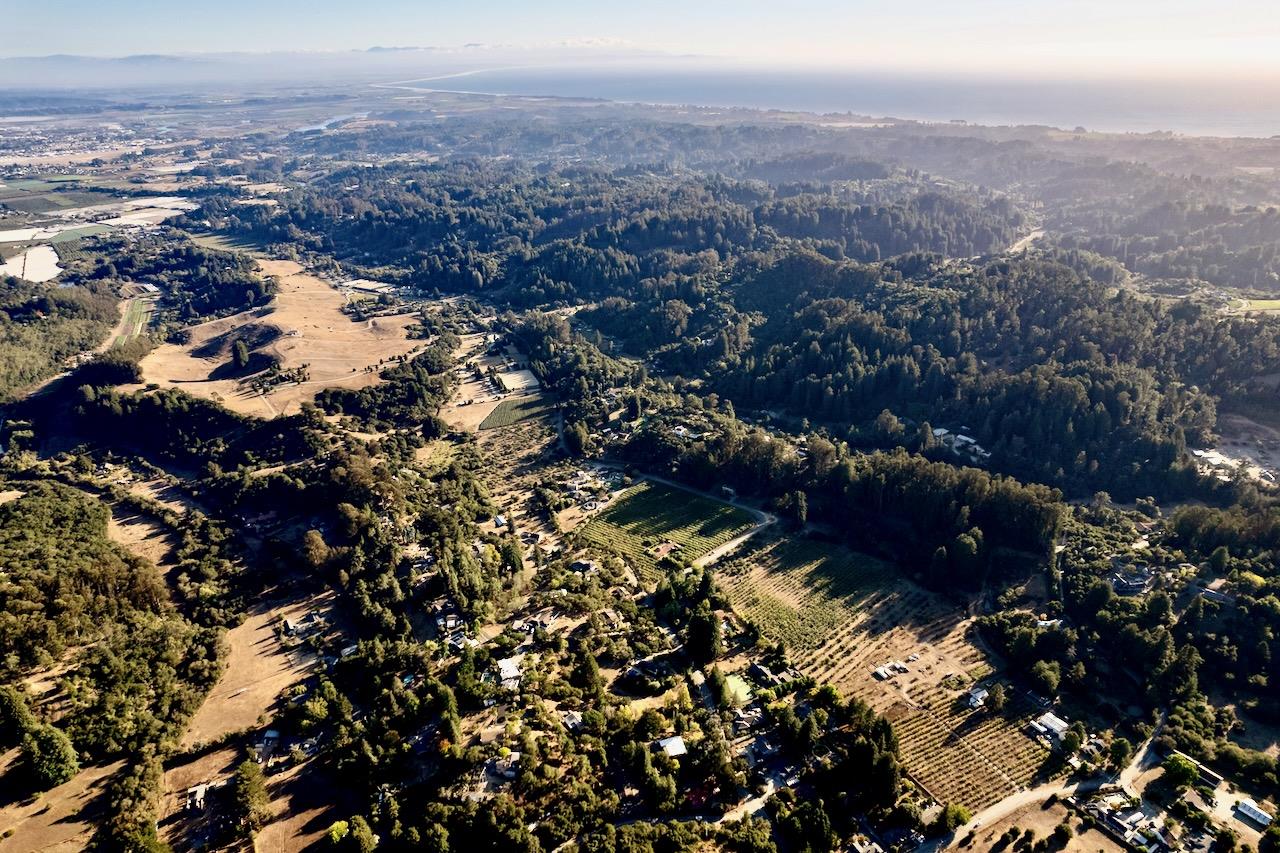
(136, 318)
(843, 614)
(800, 590)
(309, 328)
(649, 515)
(511, 412)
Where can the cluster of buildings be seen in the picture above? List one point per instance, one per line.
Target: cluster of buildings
(766, 677)
(890, 670)
(1119, 817)
(962, 445)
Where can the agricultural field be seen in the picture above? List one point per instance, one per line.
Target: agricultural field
(511, 412)
(975, 758)
(842, 614)
(800, 590)
(137, 316)
(47, 195)
(225, 243)
(650, 515)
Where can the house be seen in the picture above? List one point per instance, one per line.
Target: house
(509, 672)
(1130, 583)
(763, 674)
(745, 719)
(197, 796)
(673, 746)
(1254, 812)
(586, 567)
(1050, 725)
(507, 767)
(572, 720)
(977, 697)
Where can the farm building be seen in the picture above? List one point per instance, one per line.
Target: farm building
(1254, 812)
(977, 697)
(1050, 725)
(517, 381)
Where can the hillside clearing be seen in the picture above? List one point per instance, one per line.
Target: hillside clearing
(258, 667)
(62, 819)
(307, 327)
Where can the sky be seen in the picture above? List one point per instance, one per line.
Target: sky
(1080, 37)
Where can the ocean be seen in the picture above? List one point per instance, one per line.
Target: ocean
(1199, 106)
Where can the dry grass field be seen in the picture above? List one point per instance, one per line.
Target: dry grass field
(1042, 820)
(258, 668)
(143, 537)
(58, 821)
(310, 329)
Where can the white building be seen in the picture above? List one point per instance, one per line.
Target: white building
(673, 746)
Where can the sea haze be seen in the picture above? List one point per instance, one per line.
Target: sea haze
(1222, 107)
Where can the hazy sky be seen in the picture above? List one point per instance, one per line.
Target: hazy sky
(1089, 36)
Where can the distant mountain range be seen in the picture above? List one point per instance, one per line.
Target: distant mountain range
(161, 71)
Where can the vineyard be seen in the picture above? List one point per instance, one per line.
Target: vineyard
(842, 615)
(511, 412)
(975, 758)
(800, 590)
(651, 514)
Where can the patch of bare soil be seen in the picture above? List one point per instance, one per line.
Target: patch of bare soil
(1042, 821)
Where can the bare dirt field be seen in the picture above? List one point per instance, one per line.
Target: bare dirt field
(474, 399)
(310, 329)
(304, 804)
(58, 821)
(1042, 821)
(258, 668)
